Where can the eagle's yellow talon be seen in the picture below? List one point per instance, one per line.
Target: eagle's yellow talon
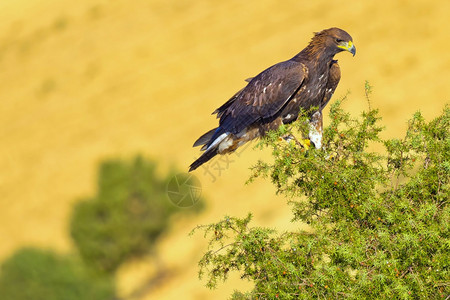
(306, 143)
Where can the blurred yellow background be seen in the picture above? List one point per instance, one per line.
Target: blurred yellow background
(82, 81)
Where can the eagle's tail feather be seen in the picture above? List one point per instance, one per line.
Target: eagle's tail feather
(210, 153)
(205, 138)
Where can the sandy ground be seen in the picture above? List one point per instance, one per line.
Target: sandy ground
(82, 81)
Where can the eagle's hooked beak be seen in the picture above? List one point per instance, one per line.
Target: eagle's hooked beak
(348, 46)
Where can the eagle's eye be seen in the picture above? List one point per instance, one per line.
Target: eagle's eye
(339, 41)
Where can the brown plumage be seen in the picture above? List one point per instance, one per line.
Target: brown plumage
(275, 96)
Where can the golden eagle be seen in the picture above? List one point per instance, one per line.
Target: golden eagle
(275, 96)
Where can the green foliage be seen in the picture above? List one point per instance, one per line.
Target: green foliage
(130, 211)
(380, 221)
(43, 275)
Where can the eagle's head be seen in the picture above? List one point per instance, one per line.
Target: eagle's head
(335, 40)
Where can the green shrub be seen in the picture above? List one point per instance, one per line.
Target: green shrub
(130, 211)
(379, 221)
(43, 275)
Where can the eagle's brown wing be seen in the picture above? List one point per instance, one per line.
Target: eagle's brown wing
(263, 98)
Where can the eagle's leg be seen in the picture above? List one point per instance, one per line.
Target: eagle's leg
(316, 129)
